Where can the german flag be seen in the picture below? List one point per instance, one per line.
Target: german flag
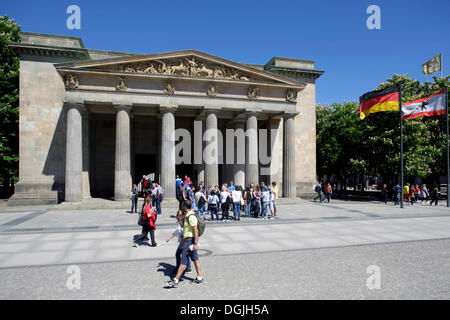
(379, 101)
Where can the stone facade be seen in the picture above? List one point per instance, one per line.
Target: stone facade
(92, 121)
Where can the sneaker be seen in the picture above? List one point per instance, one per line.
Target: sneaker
(136, 245)
(198, 281)
(187, 271)
(156, 245)
(172, 284)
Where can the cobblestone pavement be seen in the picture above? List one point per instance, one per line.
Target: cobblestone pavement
(36, 246)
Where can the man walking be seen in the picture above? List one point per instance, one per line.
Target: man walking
(190, 245)
(318, 189)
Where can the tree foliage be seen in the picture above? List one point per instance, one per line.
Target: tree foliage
(347, 145)
(9, 100)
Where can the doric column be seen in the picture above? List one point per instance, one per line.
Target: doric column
(168, 149)
(239, 152)
(86, 157)
(289, 180)
(74, 154)
(251, 149)
(275, 126)
(211, 152)
(122, 169)
(199, 166)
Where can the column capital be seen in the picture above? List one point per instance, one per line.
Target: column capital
(120, 107)
(287, 115)
(77, 105)
(212, 109)
(163, 108)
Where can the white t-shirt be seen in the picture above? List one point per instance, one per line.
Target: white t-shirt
(178, 233)
(237, 195)
(223, 196)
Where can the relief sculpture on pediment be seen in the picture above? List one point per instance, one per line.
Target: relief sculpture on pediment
(186, 66)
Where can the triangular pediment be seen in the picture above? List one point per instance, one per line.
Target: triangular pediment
(187, 63)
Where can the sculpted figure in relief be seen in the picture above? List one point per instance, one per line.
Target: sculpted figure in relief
(253, 93)
(71, 81)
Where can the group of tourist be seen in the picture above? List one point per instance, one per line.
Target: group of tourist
(413, 194)
(324, 191)
(151, 190)
(253, 201)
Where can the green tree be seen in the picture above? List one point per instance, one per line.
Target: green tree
(348, 146)
(9, 101)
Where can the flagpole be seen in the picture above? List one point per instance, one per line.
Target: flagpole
(448, 158)
(401, 143)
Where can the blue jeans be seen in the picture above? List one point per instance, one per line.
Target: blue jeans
(213, 210)
(237, 209)
(178, 258)
(201, 210)
(265, 209)
(248, 208)
(158, 204)
(134, 202)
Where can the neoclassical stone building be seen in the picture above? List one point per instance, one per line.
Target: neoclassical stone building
(92, 122)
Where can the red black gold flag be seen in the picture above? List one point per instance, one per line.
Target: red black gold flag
(379, 101)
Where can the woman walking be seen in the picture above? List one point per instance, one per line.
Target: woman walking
(149, 218)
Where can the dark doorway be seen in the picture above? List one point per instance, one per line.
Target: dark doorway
(144, 164)
(185, 170)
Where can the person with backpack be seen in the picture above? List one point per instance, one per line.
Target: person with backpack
(193, 228)
(179, 234)
(213, 203)
(181, 195)
(265, 199)
(255, 201)
(148, 218)
(318, 189)
(200, 201)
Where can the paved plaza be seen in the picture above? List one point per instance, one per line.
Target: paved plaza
(310, 251)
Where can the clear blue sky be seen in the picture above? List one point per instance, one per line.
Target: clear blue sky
(330, 32)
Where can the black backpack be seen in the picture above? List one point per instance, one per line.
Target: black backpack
(179, 194)
(201, 201)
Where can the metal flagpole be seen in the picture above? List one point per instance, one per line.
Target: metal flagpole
(448, 159)
(401, 142)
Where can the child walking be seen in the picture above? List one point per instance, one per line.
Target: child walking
(179, 234)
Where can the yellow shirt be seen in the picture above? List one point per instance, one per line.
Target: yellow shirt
(188, 231)
(276, 192)
(405, 190)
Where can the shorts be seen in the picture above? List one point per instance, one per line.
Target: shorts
(188, 252)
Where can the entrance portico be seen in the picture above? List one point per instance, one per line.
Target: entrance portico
(121, 115)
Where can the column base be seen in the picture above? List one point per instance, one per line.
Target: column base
(36, 193)
(305, 189)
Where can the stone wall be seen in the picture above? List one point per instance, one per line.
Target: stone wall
(41, 133)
